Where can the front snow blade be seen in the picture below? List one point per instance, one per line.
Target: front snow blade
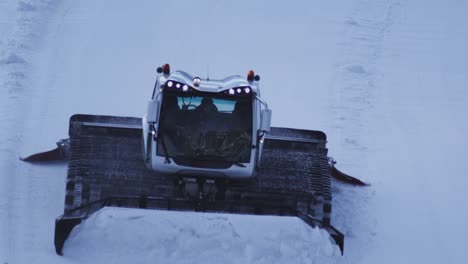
(61, 153)
(343, 177)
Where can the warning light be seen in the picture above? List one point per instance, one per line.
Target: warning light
(250, 76)
(166, 69)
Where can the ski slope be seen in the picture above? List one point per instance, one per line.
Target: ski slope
(385, 79)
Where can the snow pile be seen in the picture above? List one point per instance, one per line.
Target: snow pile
(147, 236)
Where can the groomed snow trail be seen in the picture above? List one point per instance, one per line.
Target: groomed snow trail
(385, 79)
(399, 125)
(353, 90)
(418, 137)
(22, 226)
(99, 58)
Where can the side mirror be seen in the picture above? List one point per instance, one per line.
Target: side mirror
(265, 122)
(153, 111)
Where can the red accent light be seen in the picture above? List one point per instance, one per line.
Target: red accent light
(166, 69)
(250, 76)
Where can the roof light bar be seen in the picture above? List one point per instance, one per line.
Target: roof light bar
(177, 86)
(239, 91)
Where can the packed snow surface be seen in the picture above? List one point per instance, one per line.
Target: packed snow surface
(196, 238)
(385, 79)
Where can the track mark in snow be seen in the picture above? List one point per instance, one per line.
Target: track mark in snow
(357, 69)
(356, 75)
(13, 59)
(21, 200)
(135, 217)
(355, 82)
(26, 7)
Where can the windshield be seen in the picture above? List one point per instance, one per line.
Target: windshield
(201, 126)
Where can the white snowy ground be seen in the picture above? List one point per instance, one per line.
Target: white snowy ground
(385, 79)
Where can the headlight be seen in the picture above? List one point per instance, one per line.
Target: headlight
(239, 91)
(196, 81)
(177, 85)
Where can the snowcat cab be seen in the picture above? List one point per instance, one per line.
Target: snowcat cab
(207, 128)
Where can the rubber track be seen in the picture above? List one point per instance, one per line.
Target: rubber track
(107, 161)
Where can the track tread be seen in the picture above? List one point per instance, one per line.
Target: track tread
(108, 162)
